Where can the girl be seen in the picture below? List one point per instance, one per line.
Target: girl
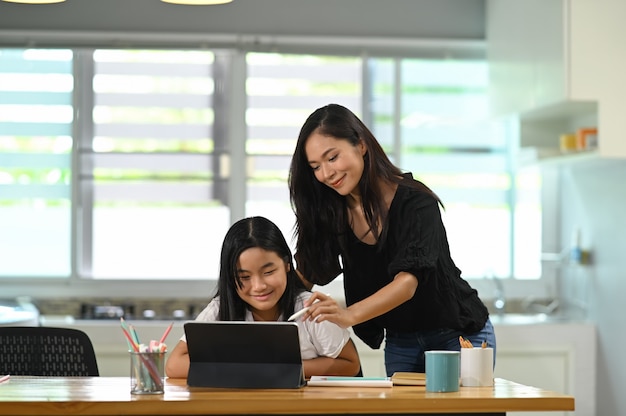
(258, 282)
(351, 203)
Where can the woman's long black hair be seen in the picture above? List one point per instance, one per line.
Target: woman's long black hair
(244, 234)
(321, 213)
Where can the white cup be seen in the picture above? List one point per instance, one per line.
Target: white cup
(476, 367)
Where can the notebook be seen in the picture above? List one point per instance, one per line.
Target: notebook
(239, 354)
(337, 381)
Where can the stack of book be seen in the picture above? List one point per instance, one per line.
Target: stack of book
(408, 379)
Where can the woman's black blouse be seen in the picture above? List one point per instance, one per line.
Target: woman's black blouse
(415, 242)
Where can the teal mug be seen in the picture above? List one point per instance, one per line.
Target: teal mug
(442, 371)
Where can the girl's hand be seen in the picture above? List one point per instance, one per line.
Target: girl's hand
(322, 307)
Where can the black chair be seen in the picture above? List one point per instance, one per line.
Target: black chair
(46, 351)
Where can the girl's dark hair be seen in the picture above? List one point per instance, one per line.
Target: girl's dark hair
(321, 213)
(244, 234)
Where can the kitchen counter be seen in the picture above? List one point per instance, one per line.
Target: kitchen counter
(16, 312)
(509, 319)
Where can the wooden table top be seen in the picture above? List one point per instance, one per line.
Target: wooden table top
(23, 395)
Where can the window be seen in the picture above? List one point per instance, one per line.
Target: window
(129, 165)
(36, 115)
(282, 91)
(150, 207)
(432, 117)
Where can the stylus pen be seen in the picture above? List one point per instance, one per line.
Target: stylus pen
(302, 311)
(298, 314)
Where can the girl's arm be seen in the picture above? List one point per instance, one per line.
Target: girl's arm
(177, 365)
(347, 363)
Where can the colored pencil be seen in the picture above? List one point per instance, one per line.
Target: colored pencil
(166, 333)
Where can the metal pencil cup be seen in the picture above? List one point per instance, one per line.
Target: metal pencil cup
(147, 374)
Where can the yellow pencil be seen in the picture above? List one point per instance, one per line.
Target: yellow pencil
(465, 343)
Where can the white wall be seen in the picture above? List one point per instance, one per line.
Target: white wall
(594, 198)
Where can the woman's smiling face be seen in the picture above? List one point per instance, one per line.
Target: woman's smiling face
(336, 162)
(263, 277)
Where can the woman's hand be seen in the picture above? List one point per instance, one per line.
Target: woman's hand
(322, 307)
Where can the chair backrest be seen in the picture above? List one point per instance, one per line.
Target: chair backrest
(46, 351)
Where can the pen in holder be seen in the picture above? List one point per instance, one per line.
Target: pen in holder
(147, 374)
(147, 362)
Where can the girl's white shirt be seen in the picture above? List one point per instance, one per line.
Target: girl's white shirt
(324, 339)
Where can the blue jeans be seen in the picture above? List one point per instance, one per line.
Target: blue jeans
(404, 351)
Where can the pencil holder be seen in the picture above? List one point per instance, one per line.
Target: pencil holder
(477, 367)
(147, 374)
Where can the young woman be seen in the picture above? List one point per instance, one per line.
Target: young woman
(258, 282)
(359, 215)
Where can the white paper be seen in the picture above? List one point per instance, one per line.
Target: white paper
(337, 381)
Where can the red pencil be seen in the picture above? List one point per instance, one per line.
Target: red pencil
(166, 333)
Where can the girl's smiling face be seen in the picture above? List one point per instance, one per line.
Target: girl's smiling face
(263, 276)
(336, 162)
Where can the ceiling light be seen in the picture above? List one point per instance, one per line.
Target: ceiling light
(34, 1)
(197, 2)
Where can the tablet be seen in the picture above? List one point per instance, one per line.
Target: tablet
(243, 354)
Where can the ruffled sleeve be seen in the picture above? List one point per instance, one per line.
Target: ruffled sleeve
(420, 237)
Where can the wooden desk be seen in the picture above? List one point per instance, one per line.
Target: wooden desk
(111, 395)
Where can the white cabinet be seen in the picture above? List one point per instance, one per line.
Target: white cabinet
(612, 123)
(559, 65)
(553, 356)
(536, 56)
(540, 130)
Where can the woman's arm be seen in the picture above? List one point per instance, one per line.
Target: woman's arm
(177, 365)
(347, 363)
(398, 291)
